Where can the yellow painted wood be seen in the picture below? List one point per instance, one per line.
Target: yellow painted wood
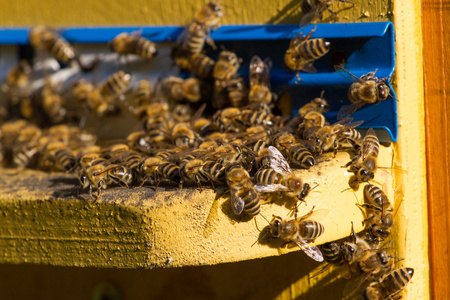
(412, 230)
(174, 12)
(46, 219)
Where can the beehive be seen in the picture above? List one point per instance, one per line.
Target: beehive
(404, 151)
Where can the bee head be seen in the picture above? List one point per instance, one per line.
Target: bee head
(383, 91)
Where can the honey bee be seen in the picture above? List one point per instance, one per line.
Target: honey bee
(301, 231)
(191, 170)
(259, 76)
(57, 156)
(380, 218)
(143, 92)
(155, 169)
(366, 89)
(184, 136)
(179, 89)
(210, 14)
(115, 85)
(389, 285)
(312, 122)
(227, 66)
(237, 93)
(44, 38)
(243, 195)
(201, 65)
(52, 102)
(140, 141)
(302, 53)
(319, 104)
(228, 119)
(293, 150)
(280, 178)
(192, 40)
(313, 9)
(17, 78)
(332, 253)
(126, 43)
(364, 165)
(91, 99)
(327, 137)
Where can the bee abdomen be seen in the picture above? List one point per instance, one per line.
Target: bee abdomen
(310, 230)
(145, 48)
(314, 48)
(332, 253)
(250, 197)
(65, 159)
(397, 280)
(303, 156)
(374, 194)
(61, 50)
(201, 65)
(268, 176)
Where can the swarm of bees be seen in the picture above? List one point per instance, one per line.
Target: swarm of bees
(210, 129)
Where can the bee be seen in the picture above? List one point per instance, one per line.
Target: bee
(319, 104)
(154, 169)
(302, 53)
(204, 126)
(230, 153)
(192, 40)
(295, 151)
(227, 66)
(125, 43)
(380, 217)
(228, 119)
(313, 9)
(259, 76)
(364, 165)
(237, 93)
(250, 117)
(115, 85)
(312, 122)
(179, 89)
(389, 285)
(184, 136)
(17, 78)
(280, 178)
(140, 141)
(201, 65)
(143, 92)
(57, 156)
(191, 170)
(44, 38)
(301, 231)
(52, 102)
(214, 171)
(91, 99)
(366, 89)
(327, 137)
(210, 14)
(243, 195)
(332, 253)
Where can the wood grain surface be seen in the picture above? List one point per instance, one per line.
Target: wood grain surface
(436, 51)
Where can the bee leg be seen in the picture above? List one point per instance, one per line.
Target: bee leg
(197, 179)
(298, 76)
(335, 147)
(157, 184)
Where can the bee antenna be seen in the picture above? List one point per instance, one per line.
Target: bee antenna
(264, 218)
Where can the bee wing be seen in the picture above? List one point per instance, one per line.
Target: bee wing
(367, 148)
(309, 68)
(347, 74)
(313, 14)
(348, 110)
(269, 188)
(278, 162)
(354, 283)
(312, 251)
(237, 203)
